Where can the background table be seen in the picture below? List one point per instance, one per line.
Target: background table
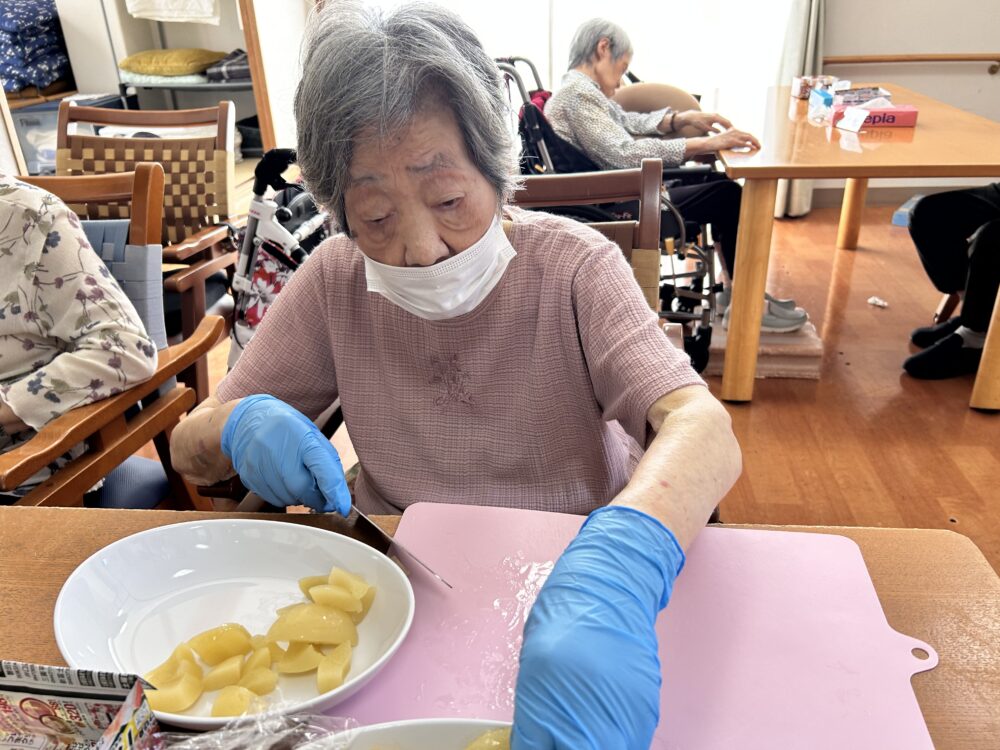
(947, 142)
(934, 585)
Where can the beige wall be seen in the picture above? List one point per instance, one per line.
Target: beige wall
(857, 27)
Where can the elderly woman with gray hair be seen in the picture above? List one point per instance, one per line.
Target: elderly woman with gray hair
(584, 113)
(481, 354)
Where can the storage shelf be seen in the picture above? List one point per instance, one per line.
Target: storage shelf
(210, 86)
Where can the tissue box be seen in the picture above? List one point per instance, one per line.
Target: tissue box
(896, 116)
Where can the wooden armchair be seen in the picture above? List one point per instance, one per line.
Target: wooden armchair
(198, 180)
(639, 240)
(112, 428)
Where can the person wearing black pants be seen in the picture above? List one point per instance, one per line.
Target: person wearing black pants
(957, 235)
(715, 202)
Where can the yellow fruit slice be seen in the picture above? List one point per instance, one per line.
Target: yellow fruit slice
(338, 597)
(235, 701)
(495, 739)
(277, 652)
(218, 644)
(300, 657)
(225, 673)
(309, 581)
(261, 657)
(176, 696)
(333, 669)
(314, 623)
(260, 680)
(181, 660)
(358, 587)
(366, 604)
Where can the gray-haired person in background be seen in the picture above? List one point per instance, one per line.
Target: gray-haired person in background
(483, 355)
(584, 113)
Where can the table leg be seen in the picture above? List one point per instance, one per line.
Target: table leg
(753, 248)
(986, 390)
(850, 212)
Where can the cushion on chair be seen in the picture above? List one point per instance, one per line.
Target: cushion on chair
(136, 268)
(171, 62)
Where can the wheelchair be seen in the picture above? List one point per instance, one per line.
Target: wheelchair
(688, 295)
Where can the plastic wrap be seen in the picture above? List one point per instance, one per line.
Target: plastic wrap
(269, 731)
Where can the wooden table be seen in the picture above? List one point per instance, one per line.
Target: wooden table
(947, 142)
(933, 585)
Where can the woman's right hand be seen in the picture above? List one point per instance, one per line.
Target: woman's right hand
(731, 139)
(283, 457)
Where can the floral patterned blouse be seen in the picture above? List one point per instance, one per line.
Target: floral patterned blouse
(68, 334)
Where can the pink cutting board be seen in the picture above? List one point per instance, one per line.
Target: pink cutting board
(771, 639)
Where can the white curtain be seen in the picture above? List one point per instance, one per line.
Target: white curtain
(803, 55)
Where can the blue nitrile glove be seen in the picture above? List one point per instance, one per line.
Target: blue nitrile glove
(590, 674)
(283, 457)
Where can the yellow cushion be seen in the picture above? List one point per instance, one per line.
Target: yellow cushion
(171, 62)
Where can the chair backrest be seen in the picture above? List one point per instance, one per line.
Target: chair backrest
(130, 249)
(198, 169)
(649, 97)
(639, 240)
(596, 188)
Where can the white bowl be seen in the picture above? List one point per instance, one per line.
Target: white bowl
(127, 606)
(422, 734)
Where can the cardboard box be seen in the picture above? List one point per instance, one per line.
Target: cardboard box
(897, 116)
(57, 708)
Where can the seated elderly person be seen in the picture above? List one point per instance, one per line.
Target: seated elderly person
(68, 334)
(957, 235)
(583, 113)
(482, 355)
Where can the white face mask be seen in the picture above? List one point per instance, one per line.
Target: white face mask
(450, 288)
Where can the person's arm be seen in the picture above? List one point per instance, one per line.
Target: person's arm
(656, 122)
(584, 115)
(689, 466)
(258, 424)
(196, 443)
(593, 622)
(70, 303)
(9, 421)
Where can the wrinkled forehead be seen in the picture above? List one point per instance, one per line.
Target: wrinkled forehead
(429, 145)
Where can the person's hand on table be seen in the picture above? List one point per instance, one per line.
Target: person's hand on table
(731, 139)
(704, 122)
(589, 670)
(282, 456)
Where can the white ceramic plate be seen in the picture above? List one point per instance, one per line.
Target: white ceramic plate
(422, 734)
(126, 607)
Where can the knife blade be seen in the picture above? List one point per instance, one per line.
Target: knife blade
(367, 523)
(253, 503)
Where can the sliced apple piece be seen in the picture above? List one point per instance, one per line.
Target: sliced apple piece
(260, 680)
(175, 696)
(235, 700)
(300, 657)
(225, 673)
(314, 623)
(333, 668)
(218, 644)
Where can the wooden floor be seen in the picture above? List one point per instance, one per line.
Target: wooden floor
(866, 445)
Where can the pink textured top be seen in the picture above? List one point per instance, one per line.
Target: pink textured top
(519, 403)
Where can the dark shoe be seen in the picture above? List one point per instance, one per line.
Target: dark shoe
(945, 359)
(930, 335)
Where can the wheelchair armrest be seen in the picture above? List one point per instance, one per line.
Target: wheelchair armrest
(688, 170)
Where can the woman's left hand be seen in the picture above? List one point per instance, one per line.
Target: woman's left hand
(589, 674)
(703, 122)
